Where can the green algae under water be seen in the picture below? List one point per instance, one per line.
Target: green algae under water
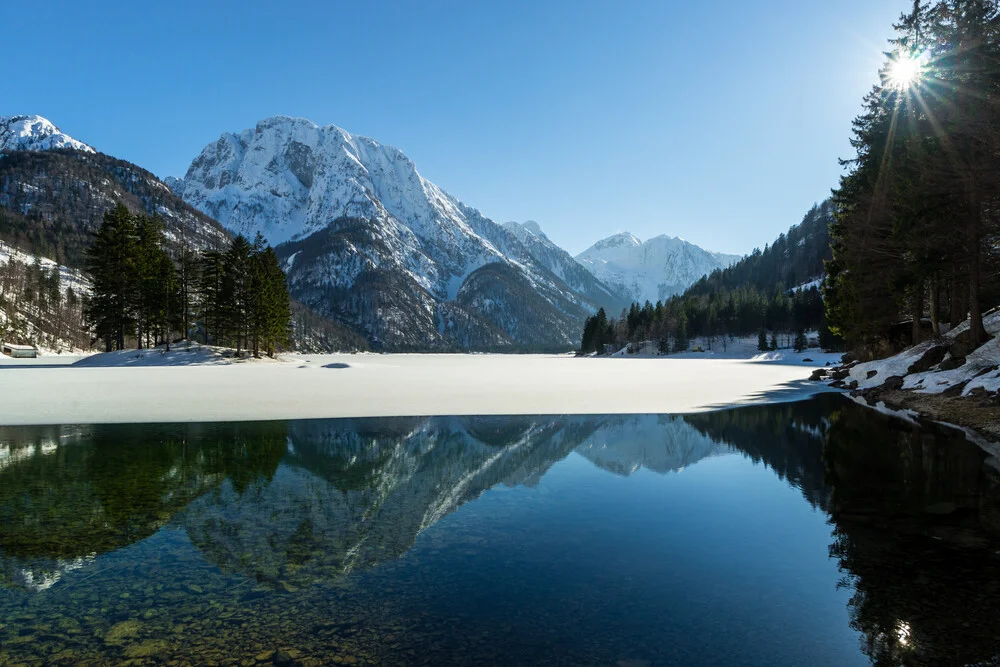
(816, 533)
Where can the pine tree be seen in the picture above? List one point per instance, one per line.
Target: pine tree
(917, 213)
(801, 343)
(774, 342)
(236, 290)
(273, 312)
(111, 261)
(681, 341)
(762, 341)
(188, 274)
(211, 273)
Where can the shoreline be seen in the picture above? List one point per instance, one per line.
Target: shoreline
(972, 413)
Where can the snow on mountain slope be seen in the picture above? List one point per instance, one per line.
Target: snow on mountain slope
(34, 133)
(656, 269)
(563, 265)
(374, 243)
(31, 314)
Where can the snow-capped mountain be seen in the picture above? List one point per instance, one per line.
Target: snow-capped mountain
(368, 240)
(562, 264)
(656, 269)
(34, 133)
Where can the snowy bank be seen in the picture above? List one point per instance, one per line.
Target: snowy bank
(943, 379)
(934, 366)
(362, 385)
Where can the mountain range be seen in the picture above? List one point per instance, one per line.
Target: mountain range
(652, 270)
(365, 239)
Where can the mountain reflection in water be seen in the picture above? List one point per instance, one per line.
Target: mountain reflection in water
(281, 508)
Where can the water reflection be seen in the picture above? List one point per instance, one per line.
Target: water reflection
(284, 508)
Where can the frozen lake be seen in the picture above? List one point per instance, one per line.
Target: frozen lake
(370, 385)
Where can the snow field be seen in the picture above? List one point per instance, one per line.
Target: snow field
(372, 385)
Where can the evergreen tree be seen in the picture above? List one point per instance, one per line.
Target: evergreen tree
(211, 272)
(681, 341)
(237, 290)
(188, 275)
(762, 341)
(801, 343)
(112, 263)
(918, 213)
(272, 313)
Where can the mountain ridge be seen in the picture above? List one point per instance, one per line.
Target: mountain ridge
(352, 216)
(650, 270)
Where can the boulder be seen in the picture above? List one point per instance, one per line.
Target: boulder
(818, 374)
(871, 374)
(962, 345)
(951, 363)
(893, 383)
(932, 357)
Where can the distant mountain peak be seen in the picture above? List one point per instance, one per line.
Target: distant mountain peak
(519, 229)
(35, 133)
(619, 240)
(652, 270)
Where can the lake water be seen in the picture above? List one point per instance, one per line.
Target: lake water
(812, 533)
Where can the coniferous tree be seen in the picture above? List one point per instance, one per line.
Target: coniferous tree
(211, 272)
(762, 341)
(111, 260)
(918, 214)
(681, 341)
(801, 343)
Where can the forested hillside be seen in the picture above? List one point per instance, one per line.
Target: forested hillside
(770, 291)
(917, 235)
(41, 302)
(51, 202)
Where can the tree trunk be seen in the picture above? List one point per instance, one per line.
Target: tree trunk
(917, 312)
(976, 329)
(935, 306)
(956, 297)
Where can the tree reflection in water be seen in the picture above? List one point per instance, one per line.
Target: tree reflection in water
(914, 508)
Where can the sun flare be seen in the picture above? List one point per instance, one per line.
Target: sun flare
(905, 71)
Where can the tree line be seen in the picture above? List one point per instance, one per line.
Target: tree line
(916, 238)
(774, 290)
(718, 316)
(145, 295)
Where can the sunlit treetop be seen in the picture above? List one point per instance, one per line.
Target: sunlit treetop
(905, 70)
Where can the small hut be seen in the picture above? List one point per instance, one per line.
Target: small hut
(19, 351)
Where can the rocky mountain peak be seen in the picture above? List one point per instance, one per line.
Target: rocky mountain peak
(34, 133)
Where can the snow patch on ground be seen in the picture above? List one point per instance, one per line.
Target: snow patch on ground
(977, 363)
(180, 354)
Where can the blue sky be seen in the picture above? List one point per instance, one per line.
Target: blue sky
(719, 121)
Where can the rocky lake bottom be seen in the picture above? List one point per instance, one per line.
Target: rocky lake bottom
(816, 532)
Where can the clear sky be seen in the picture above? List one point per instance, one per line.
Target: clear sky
(720, 121)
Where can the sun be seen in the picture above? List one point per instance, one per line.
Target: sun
(905, 71)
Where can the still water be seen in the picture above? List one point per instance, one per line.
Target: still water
(813, 533)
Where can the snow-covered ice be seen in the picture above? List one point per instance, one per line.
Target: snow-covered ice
(346, 385)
